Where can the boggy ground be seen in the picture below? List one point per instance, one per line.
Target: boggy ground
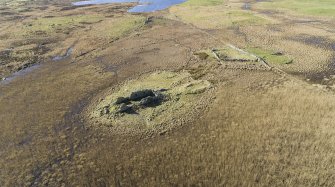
(264, 124)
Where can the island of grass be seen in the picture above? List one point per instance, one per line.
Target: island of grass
(270, 56)
(226, 53)
(154, 102)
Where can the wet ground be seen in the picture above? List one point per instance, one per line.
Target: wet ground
(54, 93)
(47, 137)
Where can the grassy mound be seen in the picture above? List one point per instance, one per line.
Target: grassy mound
(271, 56)
(226, 54)
(123, 112)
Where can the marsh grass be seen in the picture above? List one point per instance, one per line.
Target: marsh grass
(305, 7)
(50, 25)
(180, 99)
(118, 27)
(276, 134)
(259, 131)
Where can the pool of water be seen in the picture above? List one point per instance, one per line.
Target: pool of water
(61, 57)
(143, 5)
(20, 73)
(27, 70)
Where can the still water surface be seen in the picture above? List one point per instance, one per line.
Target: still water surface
(143, 5)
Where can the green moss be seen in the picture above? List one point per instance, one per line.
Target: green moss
(245, 18)
(270, 56)
(228, 54)
(48, 25)
(118, 27)
(213, 14)
(215, 17)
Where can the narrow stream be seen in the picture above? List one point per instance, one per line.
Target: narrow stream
(61, 57)
(29, 69)
(20, 73)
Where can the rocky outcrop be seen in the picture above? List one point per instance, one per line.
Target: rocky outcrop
(137, 100)
(138, 95)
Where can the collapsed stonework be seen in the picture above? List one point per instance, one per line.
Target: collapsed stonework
(159, 100)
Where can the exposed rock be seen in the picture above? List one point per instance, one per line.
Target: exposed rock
(121, 100)
(289, 62)
(154, 103)
(278, 53)
(150, 101)
(162, 90)
(149, 20)
(138, 95)
(163, 132)
(123, 108)
(104, 111)
(160, 94)
(138, 99)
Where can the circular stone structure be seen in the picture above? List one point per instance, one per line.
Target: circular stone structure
(154, 102)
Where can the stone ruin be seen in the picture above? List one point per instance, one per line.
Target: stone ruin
(136, 100)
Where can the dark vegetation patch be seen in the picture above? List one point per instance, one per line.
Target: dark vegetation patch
(319, 77)
(198, 72)
(68, 8)
(324, 77)
(42, 8)
(24, 58)
(4, 8)
(6, 13)
(37, 41)
(48, 16)
(202, 55)
(15, 17)
(316, 41)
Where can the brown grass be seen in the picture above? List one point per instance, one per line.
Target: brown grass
(262, 129)
(247, 138)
